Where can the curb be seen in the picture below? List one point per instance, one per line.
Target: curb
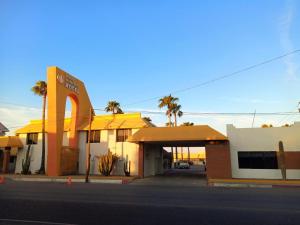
(65, 180)
(251, 185)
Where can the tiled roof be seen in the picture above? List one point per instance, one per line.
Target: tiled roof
(102, 122)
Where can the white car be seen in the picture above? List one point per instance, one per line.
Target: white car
(183, 165)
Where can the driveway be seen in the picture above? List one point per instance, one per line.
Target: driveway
(195, 176)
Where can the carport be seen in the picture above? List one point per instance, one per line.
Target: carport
(151, 140)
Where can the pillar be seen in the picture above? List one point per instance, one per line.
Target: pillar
(141, 160)
(6, 157)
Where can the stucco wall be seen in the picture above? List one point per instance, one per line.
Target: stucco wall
(263, 139)
(153, 160)
(35, 152)
(108, 141)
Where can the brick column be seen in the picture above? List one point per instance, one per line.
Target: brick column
(218, 161)
(141, 160)
(6, 156)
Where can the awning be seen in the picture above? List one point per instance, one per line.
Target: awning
(182, 134)
(10, 141)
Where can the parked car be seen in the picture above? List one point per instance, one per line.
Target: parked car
(183, 165)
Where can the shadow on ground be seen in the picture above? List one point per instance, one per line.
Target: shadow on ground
(195, 176)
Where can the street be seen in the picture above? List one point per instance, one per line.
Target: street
(79, 203)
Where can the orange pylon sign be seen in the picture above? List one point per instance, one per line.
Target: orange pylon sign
(2, 180)
(69, 181)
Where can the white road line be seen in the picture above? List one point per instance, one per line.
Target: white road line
(34, 222)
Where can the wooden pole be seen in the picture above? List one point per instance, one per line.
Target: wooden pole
(88, 152)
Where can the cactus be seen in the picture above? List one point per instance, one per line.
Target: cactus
(127, 167)
(26, 162)
(281, 160)
(106, 163)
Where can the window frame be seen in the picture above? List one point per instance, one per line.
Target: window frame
(32, 140)
(124, 137)
(257, 160)
(92, 139)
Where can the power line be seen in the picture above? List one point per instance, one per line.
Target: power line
(220, 77)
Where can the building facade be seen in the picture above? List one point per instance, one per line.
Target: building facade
(108, 133)
(254, 152)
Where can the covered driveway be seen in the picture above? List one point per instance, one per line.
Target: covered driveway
(152, 140)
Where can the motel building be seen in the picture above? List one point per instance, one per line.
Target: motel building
(243, 153)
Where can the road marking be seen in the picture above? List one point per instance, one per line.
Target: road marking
(34, 221)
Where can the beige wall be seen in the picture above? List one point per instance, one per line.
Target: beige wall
(36, 154)
(153, 160)
(263, 139)
(153, 155)
(108, 141)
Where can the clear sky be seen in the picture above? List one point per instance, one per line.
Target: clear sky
(129, 51)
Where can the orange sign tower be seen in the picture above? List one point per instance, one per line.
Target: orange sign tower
(60, 86)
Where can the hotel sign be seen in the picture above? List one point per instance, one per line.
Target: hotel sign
(68, 82)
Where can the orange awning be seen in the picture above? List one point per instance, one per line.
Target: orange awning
(177, 134)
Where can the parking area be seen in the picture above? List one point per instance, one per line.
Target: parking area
(194, 176)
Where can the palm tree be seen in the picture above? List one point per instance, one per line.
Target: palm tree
(114, 107)
(175, 110)
(169, 124)
(148, 119)
(167, 101)
(40, 89)
(188, 124)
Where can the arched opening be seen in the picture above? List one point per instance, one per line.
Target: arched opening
(69, 149)
(70, 121)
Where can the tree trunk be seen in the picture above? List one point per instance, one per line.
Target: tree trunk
(172, 158)
(181, 153)
(175, 124)
(175, 119)
(42, 167)
(169, 117)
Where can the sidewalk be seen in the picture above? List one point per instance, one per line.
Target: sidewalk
(74, 178)
(253, 183)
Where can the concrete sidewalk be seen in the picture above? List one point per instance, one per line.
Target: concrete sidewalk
(70, 178)
(253, 183)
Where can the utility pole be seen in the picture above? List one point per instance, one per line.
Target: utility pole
(253, 117)
(88, 152)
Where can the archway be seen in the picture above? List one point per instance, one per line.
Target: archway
(62, 85)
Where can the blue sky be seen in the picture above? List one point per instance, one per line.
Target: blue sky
(134, 50)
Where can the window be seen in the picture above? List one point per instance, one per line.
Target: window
(123, 134)
(95, 136)
(258, 160)
(32, 139)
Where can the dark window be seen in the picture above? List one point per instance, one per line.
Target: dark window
(123, 134)
(258, 160)
(95, 136)
(32, 139)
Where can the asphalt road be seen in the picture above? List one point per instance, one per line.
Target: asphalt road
(79, 203)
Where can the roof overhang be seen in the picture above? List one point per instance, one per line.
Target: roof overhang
(10, 141)
(178, 136)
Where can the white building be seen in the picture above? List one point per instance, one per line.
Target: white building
(254, 151)
(109, 132)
